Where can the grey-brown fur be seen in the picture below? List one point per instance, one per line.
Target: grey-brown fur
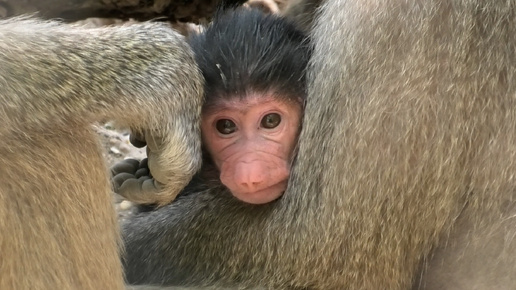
(57, 222)
(302, 12)
(405, 171)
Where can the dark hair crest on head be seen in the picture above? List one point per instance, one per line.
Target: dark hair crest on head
(244, 50)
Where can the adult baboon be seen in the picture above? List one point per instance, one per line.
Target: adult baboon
(405, 171)
(58, 228)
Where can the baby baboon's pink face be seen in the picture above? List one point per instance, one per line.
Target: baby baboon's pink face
(251, 142)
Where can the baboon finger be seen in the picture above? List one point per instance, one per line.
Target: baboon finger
(137, 139)
(144, 163)
(142, 190)
(118, 179)
(142, 172)
(127, 166)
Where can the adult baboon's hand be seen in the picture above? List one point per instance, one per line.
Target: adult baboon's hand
(142, 181)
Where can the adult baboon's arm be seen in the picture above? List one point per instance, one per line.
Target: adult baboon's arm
(142, 76)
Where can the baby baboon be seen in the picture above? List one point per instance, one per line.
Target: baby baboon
(404, 176)
(57, 222)
(255, 90)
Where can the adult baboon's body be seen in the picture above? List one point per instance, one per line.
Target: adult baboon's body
(405, 171)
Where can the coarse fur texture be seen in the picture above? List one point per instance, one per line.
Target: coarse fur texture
(404, 176)
(302, 12)
(57, 222)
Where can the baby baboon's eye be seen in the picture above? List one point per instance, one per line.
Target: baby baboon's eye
(271, 121)
(225, 126)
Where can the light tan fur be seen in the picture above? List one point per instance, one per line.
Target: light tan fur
(58, 228)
